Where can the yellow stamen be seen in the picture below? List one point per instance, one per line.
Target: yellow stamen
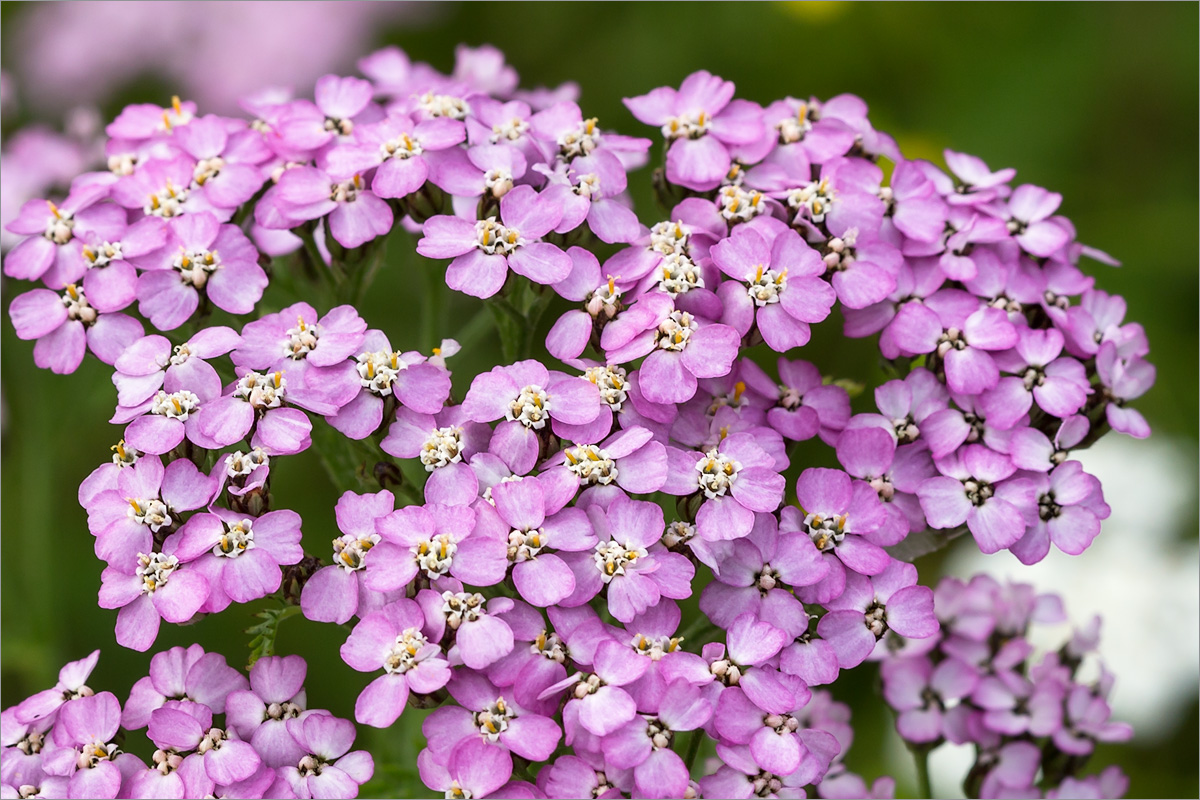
(739, 389)
(612, 288)
(166, 121)
(73, 290)
(175, 104)
(54, 210)
(278, 379)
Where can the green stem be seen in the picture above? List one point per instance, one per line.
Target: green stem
(694, 748)
(921, 756)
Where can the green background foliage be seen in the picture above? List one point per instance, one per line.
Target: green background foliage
(1098, 102)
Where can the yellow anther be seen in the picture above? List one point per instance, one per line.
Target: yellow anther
(396, 358)
(357, 181)
(758, 273)
(119, 448)
(300, 323)
(739, 389)
(612, 285)
(178, 407)
(175, 104)
(590, 125)
(437, 351)
(781, 277)
(700, 120)
(571, 458)
(724, 433)
(166, 121)
(73, 290)
(278, 379)
(137, 509)
(54, 210)
(593, 455)
(89, 253)
(370, 369)
(154, 202)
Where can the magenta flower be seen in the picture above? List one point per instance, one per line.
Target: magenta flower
(391, 638)
(644, 744)
(1059, 385)
(598, 700)
(160, 187)
(520, 519)
(148, 589)
(870, 454)
(356, 215)
(434, 540)
(380, 372)
(152, 363)
(678, 348)
(201, 255)
(240, 556)
(86, 753)
(737, 478)
(476, 769)
(337, 592)
(340, 104)
(109, 277)
(1029, 209)
(224, 759)
(66, 326)
(185, 675)
(870, 607)
(630, 459)
(227, 159)
(486, 715)
(1070, 507)
(963, 342)
(785, 291)
(71, 686)
(920, 692)
(592, 189)
(484, 251)
(527, 395)
(1122, 380)
(296, 338)
(485, 169)
(975, 488)
(481, 637)
(256, 403)
(396, 146)
(628, 564)
(260, 714)
(702, 122)
(769, 724)
(445, 444)
(328, 769)
(50, 230)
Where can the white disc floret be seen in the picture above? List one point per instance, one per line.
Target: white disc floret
(592, 464)
(406, 652)
(826, 532)
(237, 539)
(167, 202)
(691, 126)
(793, 129)
(176, 405)
(238, 464)
(612, 558)
(531, 407)
(196, 266)
(350, 550)
(443, 105)
(262, 391)
(766, 286)
(377, 371)
(527, 544)
(301, 340)
(813, 200)
(550, 646)
(679, 275)
(580, 141)
(717, 473)
(611, 382)
(155, 570)
(655, 647)
(403, 147)
(670, 237)
(435, 555)
(78, 308)
(493, 720)
(739, 205)
(153, 512)
(460, 607)
(496, 239)
(103, 254)
(678, 532)
(444, 446)
(60, 229)
(509, 131)
(604, 301)
(675, 330)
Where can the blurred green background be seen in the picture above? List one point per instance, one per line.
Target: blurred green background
(1096, 101)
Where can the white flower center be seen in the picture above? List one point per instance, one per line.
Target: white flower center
(493, 720)
(153, 513)
(876, 619)
(591, 464)
(813, 200)
(678, 532)
(402, 655)
(122, 163)
(738, 205)
(687, 126)
(766, 286)
(456, 792)
(176, 405)
(840, 253)
(166, 202)
(350, 551)
(194, 266)
(340, 126)
(498, 182)
(610, 380)
(511, 131)
(525, 545)
(659, 734)
(443, 105)
(589, 186)
(679, 275)
(77, 305)
(301, 340)
(487, 493)
(123, 455)
(444, 446)
(262, 391)
(155, 570)
(102, 255)
(655, 647)
(675, 330)
(580, 141)
(402, 147)
(718, 473)
(206, 169)
(531, 408)
(238, 463)
(377, 371)
(549, 646)
(460, 607)
(237, 539)
(826, 532)
(91, 754)
(61, 229)
(346, 191)
(181, 354)
(604, 300)
(611, 558)
(670, 237)
(435, 555)
(793, 129)
(495, 238)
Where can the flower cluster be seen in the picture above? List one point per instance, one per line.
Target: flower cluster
(528, 583)
(981, 682)
(214, 734)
